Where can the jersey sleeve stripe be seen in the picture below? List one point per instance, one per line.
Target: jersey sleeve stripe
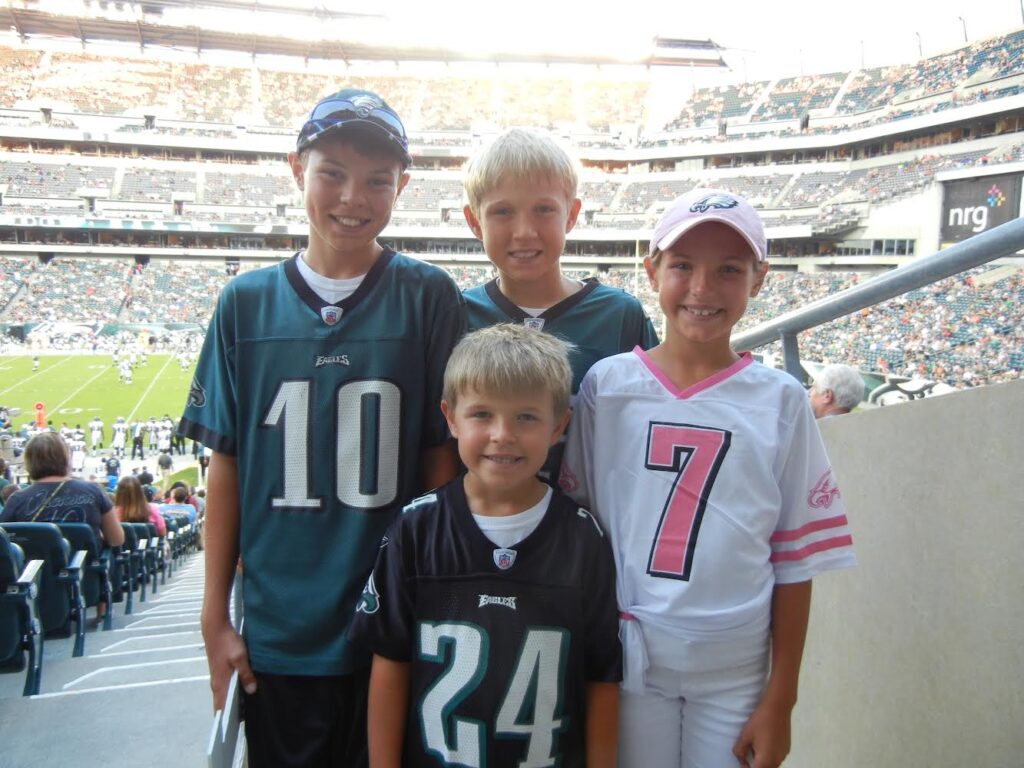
(815, 525)
(207, 437)
(812, 549)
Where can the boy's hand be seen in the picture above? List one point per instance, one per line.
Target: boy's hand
(766, 735)
(226, 653)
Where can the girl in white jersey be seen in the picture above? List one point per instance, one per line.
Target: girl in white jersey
(709, 474)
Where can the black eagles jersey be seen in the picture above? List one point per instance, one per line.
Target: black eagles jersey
(501, 642)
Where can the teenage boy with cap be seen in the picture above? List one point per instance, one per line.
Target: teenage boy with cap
(318, 390)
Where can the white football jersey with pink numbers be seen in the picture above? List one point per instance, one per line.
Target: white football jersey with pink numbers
(710, 496)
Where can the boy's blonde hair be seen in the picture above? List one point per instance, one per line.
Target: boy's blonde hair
(509, 358)
(523, 155)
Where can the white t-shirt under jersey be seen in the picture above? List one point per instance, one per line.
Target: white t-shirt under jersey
(327, 288)
(508, 530)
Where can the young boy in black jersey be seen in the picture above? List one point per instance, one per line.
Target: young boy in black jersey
(491, 611)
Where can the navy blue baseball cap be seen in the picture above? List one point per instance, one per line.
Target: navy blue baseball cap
(354, 109)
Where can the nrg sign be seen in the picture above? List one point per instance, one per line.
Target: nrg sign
(975, 205)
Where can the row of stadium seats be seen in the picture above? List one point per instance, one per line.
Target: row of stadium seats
(51, 573)
(225, 94)
(252, 196)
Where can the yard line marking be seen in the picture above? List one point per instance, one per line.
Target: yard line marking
(149, 388)
(60, 405)
(34, 375)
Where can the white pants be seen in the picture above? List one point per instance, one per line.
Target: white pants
(689, 719)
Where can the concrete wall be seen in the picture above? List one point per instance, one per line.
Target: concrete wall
(916, 657)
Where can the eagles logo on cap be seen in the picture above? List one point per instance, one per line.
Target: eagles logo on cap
(714, 201)
(364, 105)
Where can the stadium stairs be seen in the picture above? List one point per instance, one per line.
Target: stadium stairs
(139, 696)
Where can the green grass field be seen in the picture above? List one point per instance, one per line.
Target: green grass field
(75, 388)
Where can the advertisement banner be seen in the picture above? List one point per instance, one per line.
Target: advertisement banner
(971, 206)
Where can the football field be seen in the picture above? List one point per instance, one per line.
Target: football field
(76, 388)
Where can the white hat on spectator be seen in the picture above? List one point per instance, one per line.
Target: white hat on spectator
(701, 205)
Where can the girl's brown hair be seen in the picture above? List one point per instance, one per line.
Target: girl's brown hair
(131, 501)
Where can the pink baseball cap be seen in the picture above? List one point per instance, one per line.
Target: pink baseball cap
(700, 205)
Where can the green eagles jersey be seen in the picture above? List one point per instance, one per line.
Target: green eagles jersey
(327, 409)
(599, 320)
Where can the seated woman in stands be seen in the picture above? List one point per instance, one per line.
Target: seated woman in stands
(131, 505)
(56, 497)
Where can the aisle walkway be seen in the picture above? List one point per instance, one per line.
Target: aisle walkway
(139, 696)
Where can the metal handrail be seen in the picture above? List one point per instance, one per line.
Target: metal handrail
(1004, 240)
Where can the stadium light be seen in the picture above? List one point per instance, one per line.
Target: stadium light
(920, 51)
(964, 25)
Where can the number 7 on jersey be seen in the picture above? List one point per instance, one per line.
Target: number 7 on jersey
(694, 454)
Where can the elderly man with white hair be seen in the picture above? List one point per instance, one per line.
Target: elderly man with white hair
(837, 389)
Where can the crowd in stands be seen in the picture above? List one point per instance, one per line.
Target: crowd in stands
(97, 291)
(174, 292)
(17, 66)
(246, 189)
(50, 180)
(964, 331)
(708, 105)
(877, 87)
(94, 84)
(82, 290)
(253, 194)
(792, 97)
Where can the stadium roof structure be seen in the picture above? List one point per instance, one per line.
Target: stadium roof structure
(148, 28)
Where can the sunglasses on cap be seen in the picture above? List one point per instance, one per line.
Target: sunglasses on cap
(331, 113)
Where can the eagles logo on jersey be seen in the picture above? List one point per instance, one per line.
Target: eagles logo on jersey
(196, 394)
(369, 601)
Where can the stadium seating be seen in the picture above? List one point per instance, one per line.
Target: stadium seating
(20, 630)
(60, 592)
(96, 587)
(265, 99)
(131, 559)
(150, 544)
(792, 97)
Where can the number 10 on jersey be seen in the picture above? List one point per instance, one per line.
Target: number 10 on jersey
(367, 429)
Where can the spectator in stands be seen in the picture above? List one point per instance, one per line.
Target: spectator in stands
(381, 326)
(56, 496)
(131, 505)
(837, 389)
(521, 193)
(5, 493)
(190, 498)
(178, 502)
